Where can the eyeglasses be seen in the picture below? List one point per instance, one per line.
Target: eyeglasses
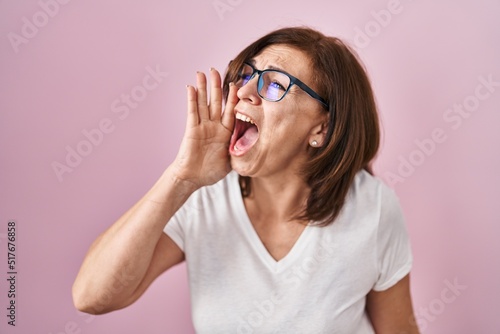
(274, 84)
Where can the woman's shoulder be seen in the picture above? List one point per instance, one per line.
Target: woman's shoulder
(221, 191)
(226, 185)
(370, 192)
(368, 184)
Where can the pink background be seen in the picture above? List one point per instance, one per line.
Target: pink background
(65, 77)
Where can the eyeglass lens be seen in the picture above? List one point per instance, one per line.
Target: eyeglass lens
(272, 85)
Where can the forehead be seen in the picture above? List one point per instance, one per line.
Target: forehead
(286, 58)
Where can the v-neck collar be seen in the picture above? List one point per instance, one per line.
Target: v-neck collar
(254, 239)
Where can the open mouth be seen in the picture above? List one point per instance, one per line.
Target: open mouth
(244, 136)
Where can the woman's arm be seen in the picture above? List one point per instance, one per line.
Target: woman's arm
(391, 310)
(127, 257)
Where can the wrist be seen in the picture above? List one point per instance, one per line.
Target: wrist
(170, 188)
(180, 183)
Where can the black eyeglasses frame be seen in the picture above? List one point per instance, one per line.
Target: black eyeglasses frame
(293, 81)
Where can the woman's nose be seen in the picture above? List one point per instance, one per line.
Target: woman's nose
(249, 92)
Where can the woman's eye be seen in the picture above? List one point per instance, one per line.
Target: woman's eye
(244, 78)
(277, 85)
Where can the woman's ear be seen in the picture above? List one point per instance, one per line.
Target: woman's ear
(318, 133)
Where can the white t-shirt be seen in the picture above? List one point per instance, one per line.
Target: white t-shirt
(320, 286)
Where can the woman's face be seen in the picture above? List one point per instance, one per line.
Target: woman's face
(278, 140)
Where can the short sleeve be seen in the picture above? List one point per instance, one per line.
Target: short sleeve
(200, 207)
(174, 228)
(394, 254)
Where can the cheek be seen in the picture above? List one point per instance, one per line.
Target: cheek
(286, 134)
(289, 125)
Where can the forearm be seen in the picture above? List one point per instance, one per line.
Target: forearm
(117, 261)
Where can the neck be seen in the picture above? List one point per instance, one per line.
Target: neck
(277, 199)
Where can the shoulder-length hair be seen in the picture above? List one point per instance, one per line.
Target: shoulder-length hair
(353, 134)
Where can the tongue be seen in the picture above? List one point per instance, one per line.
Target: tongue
(248, 139)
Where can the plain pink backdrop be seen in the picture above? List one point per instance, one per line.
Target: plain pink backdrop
(65, 76)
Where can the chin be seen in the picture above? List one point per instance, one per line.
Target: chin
(241, 166)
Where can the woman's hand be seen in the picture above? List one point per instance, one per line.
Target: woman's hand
(203, 157)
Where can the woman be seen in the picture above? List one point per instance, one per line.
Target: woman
(271, 203)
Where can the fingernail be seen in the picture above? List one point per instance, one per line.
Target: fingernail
(211, 68)
(231, 84)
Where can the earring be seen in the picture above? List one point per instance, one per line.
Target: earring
(314, 143)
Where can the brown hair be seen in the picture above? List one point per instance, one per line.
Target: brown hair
(353, 134)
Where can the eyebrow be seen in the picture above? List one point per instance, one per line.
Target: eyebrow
(271, 67)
